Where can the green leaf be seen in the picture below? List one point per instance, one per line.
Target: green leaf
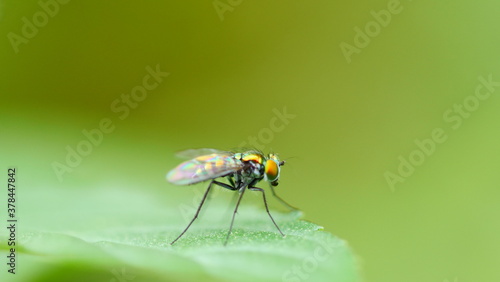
(117, 235)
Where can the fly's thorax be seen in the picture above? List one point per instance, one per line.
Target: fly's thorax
(252, 170)
(254, 164)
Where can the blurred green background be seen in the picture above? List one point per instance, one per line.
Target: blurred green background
(231, 70)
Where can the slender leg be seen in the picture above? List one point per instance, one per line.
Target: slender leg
(267, 208)
(229, 208)
(283, 201)
(223, 185)
(231, 180)
(231, 186)
(234, 214)
(197, 212)
(201, 204)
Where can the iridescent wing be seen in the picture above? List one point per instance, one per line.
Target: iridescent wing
(193, 153)
(203, 168)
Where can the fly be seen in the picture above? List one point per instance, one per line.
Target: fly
(242, 170)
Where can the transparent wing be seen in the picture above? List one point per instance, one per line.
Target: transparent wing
(204, 168)
(193, 153)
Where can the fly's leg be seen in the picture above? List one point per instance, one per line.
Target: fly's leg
(229, 208)
(292, 208)
(197, 212)
(201, 204)
(224, 185)
(229, 186)
(267, 208)
(230, 178)
(242, 191)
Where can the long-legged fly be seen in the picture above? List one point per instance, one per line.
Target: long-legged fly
(242, 170)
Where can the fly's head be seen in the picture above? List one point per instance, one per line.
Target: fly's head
(272, 169)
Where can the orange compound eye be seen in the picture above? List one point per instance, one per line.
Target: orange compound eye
(272, 170)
